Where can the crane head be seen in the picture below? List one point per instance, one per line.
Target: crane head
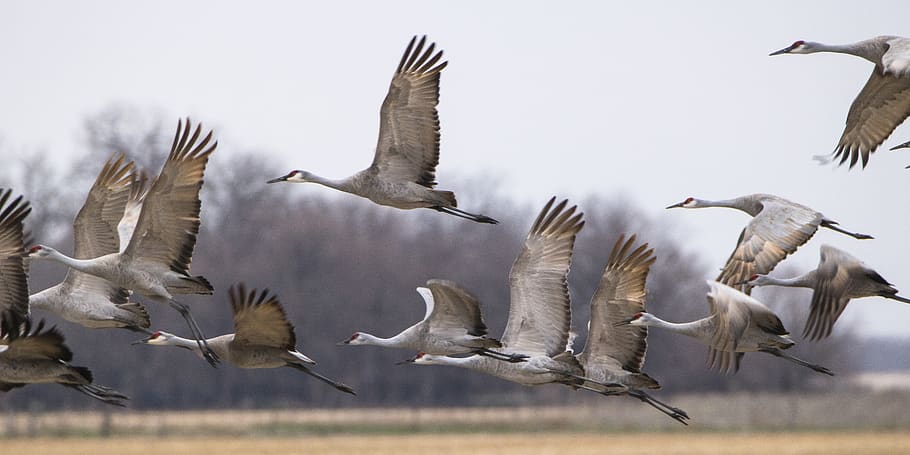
(356, 339)
(798, 47)
(39, 251)
(156, 338)
(640, 318)
(422, 358)
(690, 202)
(756, 280)
(294, 176)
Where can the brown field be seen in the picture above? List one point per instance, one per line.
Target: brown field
(478, 444)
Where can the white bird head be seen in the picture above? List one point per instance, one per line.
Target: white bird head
(40, 251)
(637, 319)
(358, 338)
(422, 358)
(689, 203)
(293, 176)
(158, 339)
(798, 47)
(758, 280)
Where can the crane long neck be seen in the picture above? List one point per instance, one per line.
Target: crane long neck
(870, 50)
(184, 343)
(803, 281)
(89, 266)
(374, 340)
(692, 329)
(739, 203)
(339, 184)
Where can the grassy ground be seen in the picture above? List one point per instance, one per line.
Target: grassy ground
(480, 444)
(759, 413)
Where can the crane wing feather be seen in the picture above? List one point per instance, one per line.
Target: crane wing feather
(619, 296)
(13, 278)
(455, 309)
(540, 312)
(95, 226)
(37, 344)
(734, 312)
(259, 319)
(772, 235)
(833, 281)
(408, 146)
(882, 105)
(169, 221)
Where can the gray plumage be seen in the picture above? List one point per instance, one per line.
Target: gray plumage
(839, 278)
(40, 357)
(85, 299)
(403, 171)
(737, 324)
(452, 325)
(540, 311)
(882, 104)
(263, 337)
(778, 227)
(156, 261)
(615, 352)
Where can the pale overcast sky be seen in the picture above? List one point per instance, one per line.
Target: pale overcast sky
(656, 101)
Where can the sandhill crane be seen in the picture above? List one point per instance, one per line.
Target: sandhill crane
(13, 281)
(40, 356)
(616, 354)
(452, 325)
(86, 299)
(884, 101)
(404, 167)
(777, 229)
(838, 278)
(26, 356)
(540, 313)
(157, 259)
(263, 337)
(738, 324)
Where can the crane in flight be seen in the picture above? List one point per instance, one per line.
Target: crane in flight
(403, 173)
(882, 104)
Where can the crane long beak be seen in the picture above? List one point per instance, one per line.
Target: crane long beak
(785, 50)
(343, 343)
(279, 179)
(680, 204)
(905, 145)
(624, 321)
(142, 341)
(411, 360)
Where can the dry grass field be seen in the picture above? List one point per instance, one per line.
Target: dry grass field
(480, 444)
(842, 423)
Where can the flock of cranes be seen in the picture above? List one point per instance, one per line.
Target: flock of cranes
(134, 237)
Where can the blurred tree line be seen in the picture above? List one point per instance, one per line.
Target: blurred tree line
(341, 264)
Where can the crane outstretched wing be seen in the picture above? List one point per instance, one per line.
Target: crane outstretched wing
(882, 105)
(169, 220)
(733, 313)
(619, 296)
(835, 276)
(260, 319)
(455, 311)
(540, 313)
(408, 147)
(772, 235)
(13, 279)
